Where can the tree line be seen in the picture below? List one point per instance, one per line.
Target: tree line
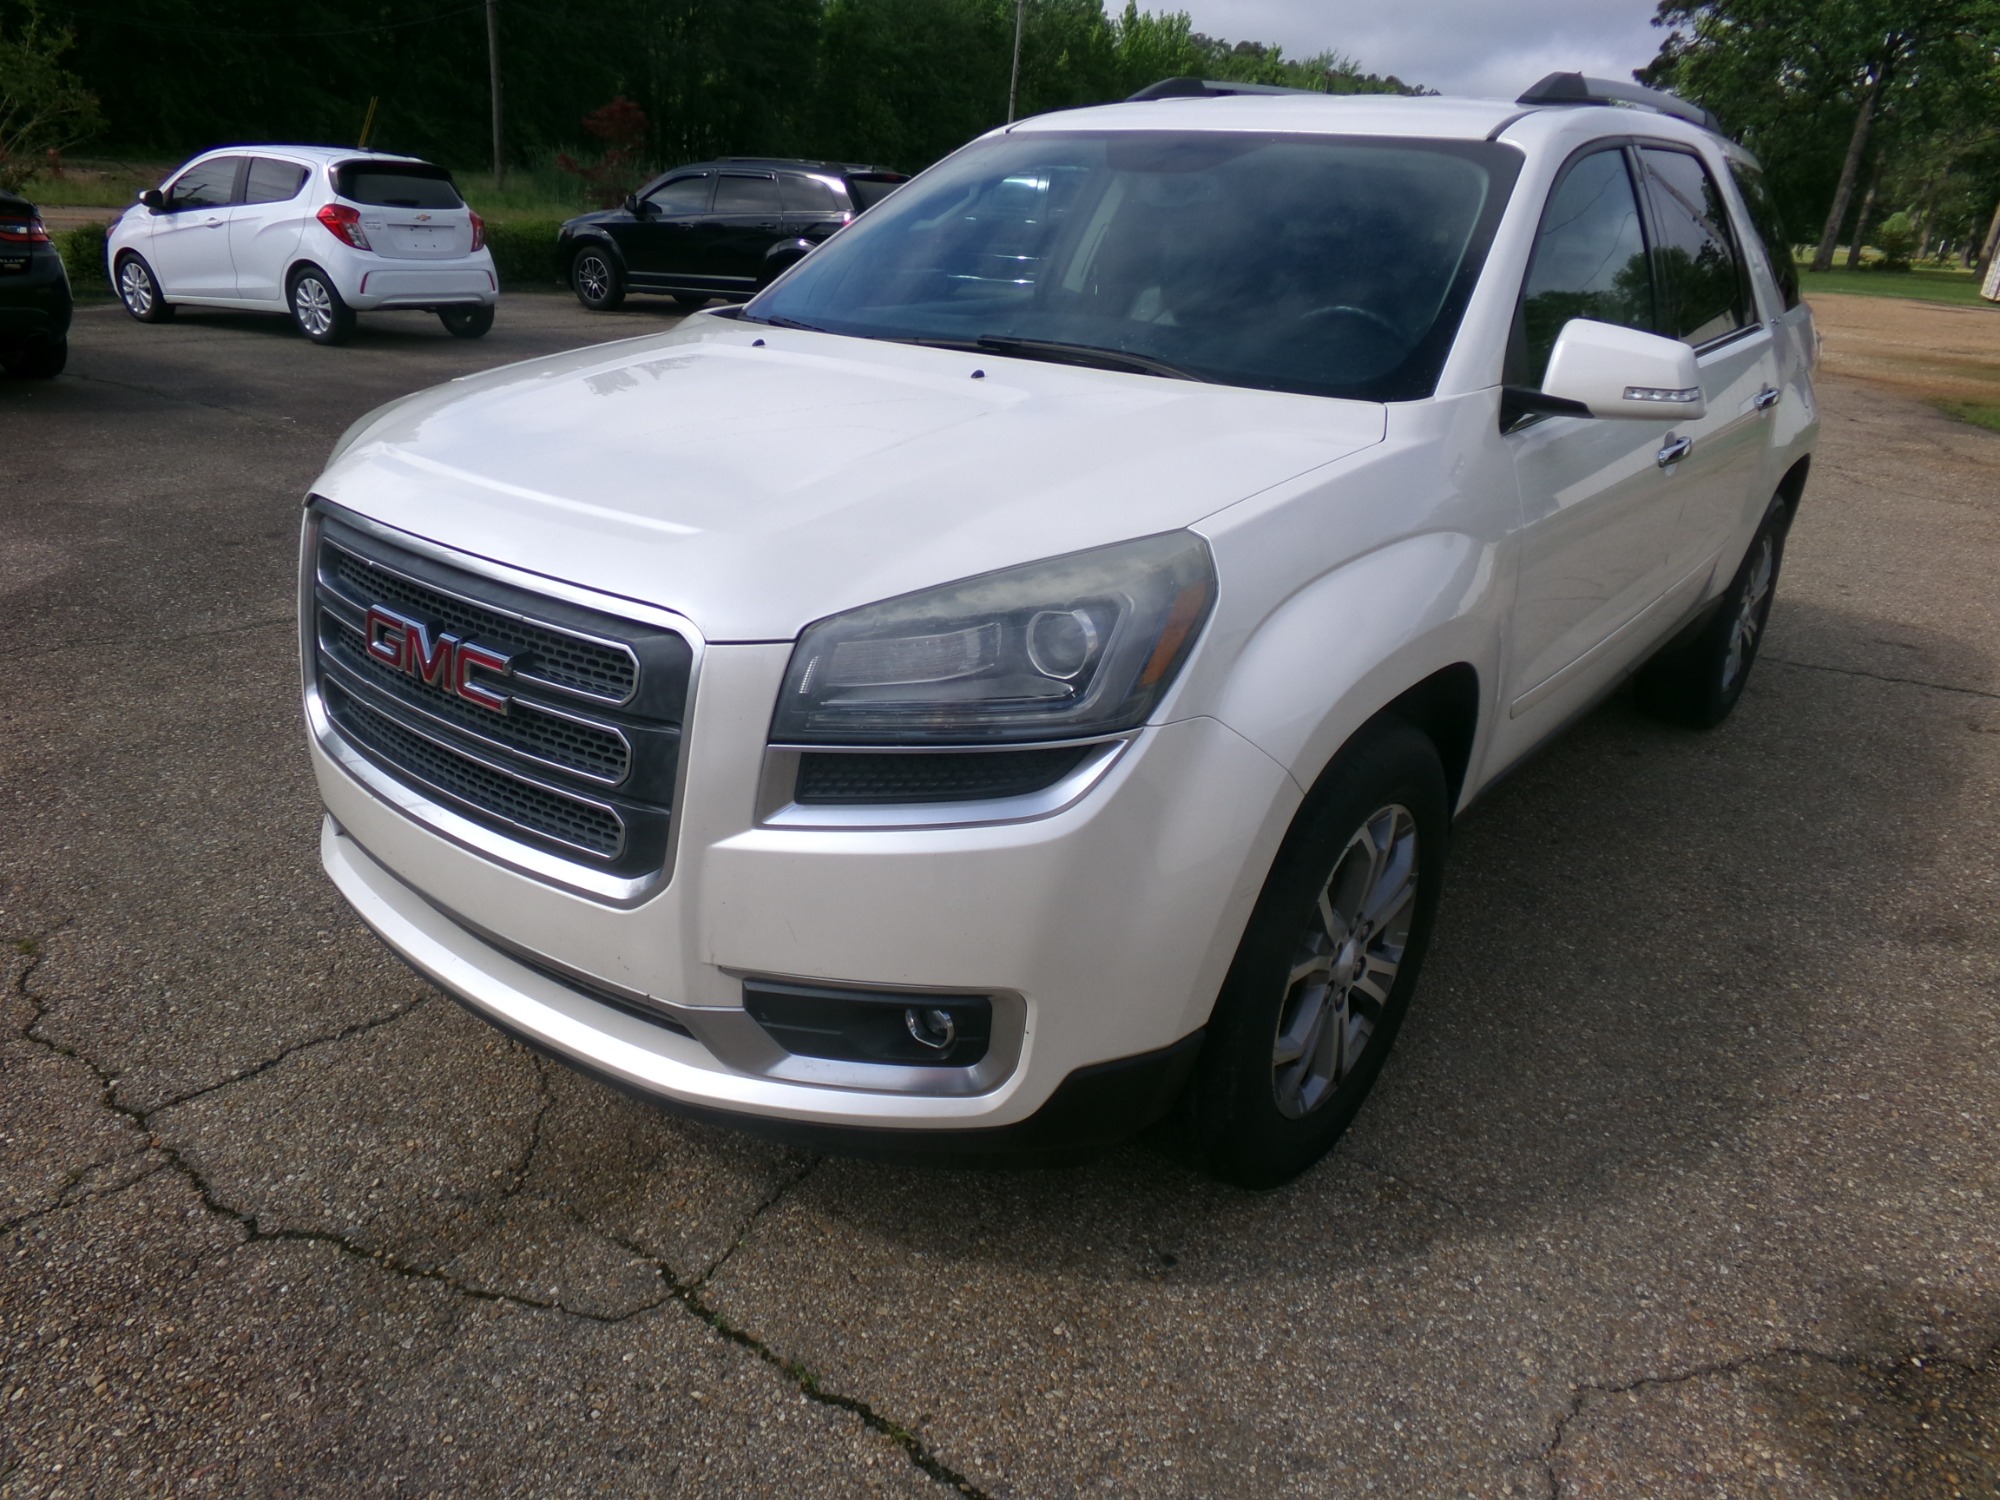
(1878, 120)
(895, 82)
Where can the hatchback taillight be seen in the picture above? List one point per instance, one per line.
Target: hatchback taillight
(24, 231)
(344, 224)
(478, 230)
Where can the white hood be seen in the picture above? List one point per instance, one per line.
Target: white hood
(756, 479)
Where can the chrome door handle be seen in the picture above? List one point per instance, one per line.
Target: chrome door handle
(1675, 450)
(1767, 398)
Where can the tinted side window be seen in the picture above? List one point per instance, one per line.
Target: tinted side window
(808, 195)
(272, 181)
(748, 195)
(211, 184)
(1589, 261)
(684, 195)
(1770, 228)
(1702, 282)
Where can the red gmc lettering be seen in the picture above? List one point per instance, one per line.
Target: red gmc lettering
(406, 645)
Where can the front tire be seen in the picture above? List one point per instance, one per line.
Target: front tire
(38, 359)
(467, 322)
(1324, 973)
(1698, 682)
(139, 290)
(597, 282)
(318, 309)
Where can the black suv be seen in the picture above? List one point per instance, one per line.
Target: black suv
(713, 229)
(34, 294)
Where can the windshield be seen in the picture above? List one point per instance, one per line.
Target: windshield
(1328, 265)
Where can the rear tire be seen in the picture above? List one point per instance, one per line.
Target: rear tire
(317, 308)
(1697, 682)
(598, 283)
(691, 301)
(139, 290)
(38, 359)
(1324, 973)
(467, 322)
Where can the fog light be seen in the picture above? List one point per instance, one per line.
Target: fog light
(872, 1026)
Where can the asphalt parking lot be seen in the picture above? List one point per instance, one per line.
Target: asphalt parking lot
(1682, 1181)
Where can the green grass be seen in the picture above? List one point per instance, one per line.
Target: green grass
(1920, 284)
(1979, 414)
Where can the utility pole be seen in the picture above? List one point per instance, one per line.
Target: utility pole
(493, 71)
(1013, 82)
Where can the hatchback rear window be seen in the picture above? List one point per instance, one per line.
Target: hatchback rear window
(411, 186)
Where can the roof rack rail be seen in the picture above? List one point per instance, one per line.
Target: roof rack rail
(1207, 88)
(1574, 88)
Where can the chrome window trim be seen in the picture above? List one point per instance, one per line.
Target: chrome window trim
(610, 890)
(779, 781)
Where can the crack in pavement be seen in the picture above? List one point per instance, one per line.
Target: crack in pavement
(1942, 687)
(256, 419)
(157, 640)
(359, 1028)
(771, 1201)
(1581, 1393)
(686, 1294)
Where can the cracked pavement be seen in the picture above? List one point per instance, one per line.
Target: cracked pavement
(1682, 1180)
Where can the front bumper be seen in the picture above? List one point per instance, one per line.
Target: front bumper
(1106, 926)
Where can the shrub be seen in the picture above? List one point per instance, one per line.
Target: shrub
(524, 252)
(83, 255)
(621, 125)
(1896, 238)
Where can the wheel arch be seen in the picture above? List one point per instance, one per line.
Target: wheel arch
(590, 239)
(1793, 488)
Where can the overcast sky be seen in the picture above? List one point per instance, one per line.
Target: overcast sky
(1482, 47)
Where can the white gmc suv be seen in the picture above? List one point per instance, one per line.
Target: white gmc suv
(1010, 683)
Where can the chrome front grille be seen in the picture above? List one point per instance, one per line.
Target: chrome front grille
(580, 762)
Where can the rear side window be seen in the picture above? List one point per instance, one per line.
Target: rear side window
(1699, 274)
(1589, 262)
(396, 186)
(1770, 228)
(684, 195)
(809, 195)
(869, 191)
(272, 181)
(748, 195)
(209, 184)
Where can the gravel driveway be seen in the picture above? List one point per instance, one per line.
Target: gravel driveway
(1682, 1181)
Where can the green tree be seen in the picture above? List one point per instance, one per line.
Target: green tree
(44, 108)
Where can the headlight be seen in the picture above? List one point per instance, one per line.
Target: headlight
(1074, 646)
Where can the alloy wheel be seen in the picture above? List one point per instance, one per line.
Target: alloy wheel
(1346, 962)
(593, 278)
(313, 305)
(135, 287)
(1750, 613)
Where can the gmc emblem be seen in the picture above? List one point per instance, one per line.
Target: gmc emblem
(444, 661)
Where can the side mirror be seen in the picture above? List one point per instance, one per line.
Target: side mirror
(1620, 372)
(636, 208)
(154, 199)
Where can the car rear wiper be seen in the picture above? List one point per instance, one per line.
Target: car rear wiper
(1057, 352)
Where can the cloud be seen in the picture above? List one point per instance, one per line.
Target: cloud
(1493, 48)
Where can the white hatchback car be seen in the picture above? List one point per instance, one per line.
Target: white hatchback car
(319, 232)
(1013, 679)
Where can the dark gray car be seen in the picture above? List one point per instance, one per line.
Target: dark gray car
(719, 228)
(34, 294)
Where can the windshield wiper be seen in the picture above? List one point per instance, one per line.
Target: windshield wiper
(1057, 352)
(787, 323)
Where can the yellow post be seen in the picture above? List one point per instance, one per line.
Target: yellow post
(368, 125)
